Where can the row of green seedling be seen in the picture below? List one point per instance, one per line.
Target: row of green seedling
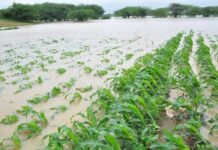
(207, 71)
(129, 118)
(185, 79)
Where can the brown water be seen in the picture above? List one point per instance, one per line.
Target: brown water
(32, 43)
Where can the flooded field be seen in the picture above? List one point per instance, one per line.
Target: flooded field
(56, 68)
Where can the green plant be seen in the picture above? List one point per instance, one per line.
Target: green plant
(84, 89)
(40, 118)
(101, 73)
(69, 84)
(39, 99)
(2, 79)
(105, 60)
(80, 62)
(128, 56)
(25, 110)
(76, 97)
(39, 80)
(1, 72)
(112, 67)
(61, 108)
(61, 71)
(55, 91)
(87, 69)
(12, 142)
(127, 116)
(10, 119)
(29, 129)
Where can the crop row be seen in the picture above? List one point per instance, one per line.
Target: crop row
(207, 71)
(191, 116)
(129, 119)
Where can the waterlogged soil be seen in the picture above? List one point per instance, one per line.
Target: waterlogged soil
(40, 50)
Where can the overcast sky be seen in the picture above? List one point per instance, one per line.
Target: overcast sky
(111, 5)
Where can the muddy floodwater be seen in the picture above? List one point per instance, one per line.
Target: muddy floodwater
(30, 57)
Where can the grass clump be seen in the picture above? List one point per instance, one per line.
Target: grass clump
(61, 71)
(10, 119)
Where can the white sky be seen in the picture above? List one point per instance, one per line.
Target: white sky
(111, 5)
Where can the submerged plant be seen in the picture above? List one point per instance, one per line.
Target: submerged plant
(29, 129)
(10, 119)
(12, 142)
(128, 56)
(61, 71)
(39, 99)
(2, 79)
(80, 63)
(128, 120)
(25, 110)
(105, 60)
(84, 89)
(61, 108)
(74, 97)
(101, 73)
(39, 80)
(87, 69)
(55, 91)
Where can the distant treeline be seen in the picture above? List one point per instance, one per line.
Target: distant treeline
(174, 9)
(61, 12)
(52, 12)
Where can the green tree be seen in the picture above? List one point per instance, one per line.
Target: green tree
(160, 12)
(176, 9)
(192, 11)
(210, 11)
(22, 12)
(81, 14)
(97, 10)
(132, 11)
(52, 11)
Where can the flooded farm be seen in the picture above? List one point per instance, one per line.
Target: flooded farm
(51, 73)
